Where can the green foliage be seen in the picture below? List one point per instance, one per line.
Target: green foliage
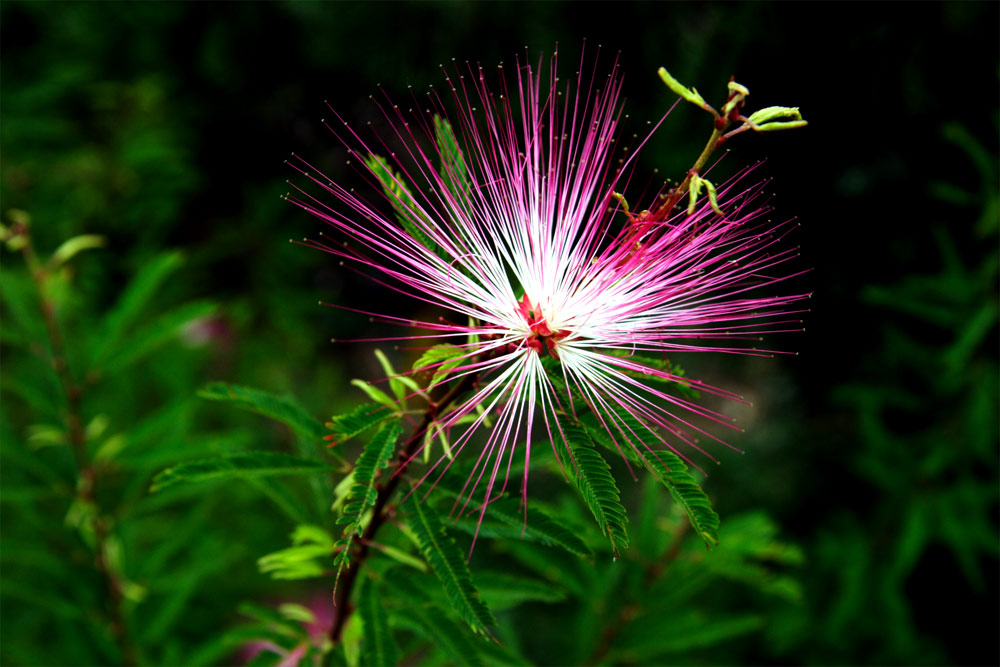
(675, 384)
(354, 423)
(134, 302)
(888, 482)
(502, 591)
(592, 476)
(937, 368)
(237, 466)
(361, 498)
(443, 359)
(410, 215)
(454, 171)
(306, 559)
(442, 632)
(625, 435)
(281, 408)
(507, 519)
(378, 647)
(449, 565)
(666, 466)
(672, 473)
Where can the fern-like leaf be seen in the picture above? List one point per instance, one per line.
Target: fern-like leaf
(453, 170)
(666, 466)
(405, 206)
(354, 423)
(678, 382)
(442, 358)
(536, 527)
(362, 495)
(378, 647)
(281, 408)
(686, 492)
(245, 465)
(449, 565)
(430, 623)
(593, 479)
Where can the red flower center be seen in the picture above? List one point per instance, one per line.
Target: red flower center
(542, 337)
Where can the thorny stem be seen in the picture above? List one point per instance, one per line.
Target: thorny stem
(380, 513)
(78, 443)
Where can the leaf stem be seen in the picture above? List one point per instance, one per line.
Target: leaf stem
(87, 472)
(341, 603)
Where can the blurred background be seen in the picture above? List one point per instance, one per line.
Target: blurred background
(163, 127)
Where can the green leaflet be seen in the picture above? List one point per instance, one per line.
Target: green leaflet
(279, 621)
(246, 465)
(647, 638)
(592, 476)
(434, 626)
(540, 527)
(443, 358)
(681, 387)
(449, 565)
(666, 466)
(361, 498)
(686, 492)
(503, 591)
(156, 333)
(753, 554)
(378, 647)
(453, 168)
(402, 201)
(306, 559)
(133, 302)
(357, 421)
(281, 408)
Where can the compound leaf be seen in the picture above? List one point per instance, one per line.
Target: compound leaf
(449, 565)
(592, 476)
(378, 647)
(246, 465)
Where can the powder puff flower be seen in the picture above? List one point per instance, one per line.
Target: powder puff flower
(503, 215)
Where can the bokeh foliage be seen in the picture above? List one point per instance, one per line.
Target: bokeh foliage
(162, 127)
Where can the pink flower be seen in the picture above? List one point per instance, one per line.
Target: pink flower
(520, 242)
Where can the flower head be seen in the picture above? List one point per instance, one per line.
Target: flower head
(556, 299)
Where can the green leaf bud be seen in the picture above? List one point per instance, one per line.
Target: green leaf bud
(769, 114)
(789, 125)
(691, 95)
(712, 197)
(71, 247)
(693, 191)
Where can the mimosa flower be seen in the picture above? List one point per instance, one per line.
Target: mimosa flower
(509, 225)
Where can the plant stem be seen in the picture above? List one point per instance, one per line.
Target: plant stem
(78, 444)
(678, 193)
(342, 602)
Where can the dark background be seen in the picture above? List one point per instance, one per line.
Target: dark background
(166, 124)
